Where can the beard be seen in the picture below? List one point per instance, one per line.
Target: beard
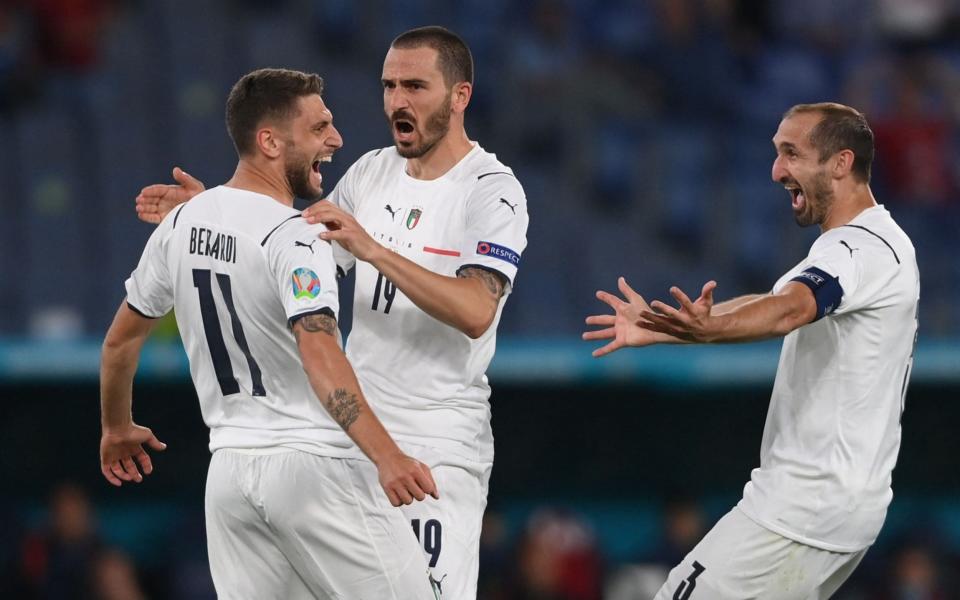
(819, 199)
(297, 170)
(436, 126)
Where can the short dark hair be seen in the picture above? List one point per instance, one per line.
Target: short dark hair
(841, 128)
(453, 56)
(266, 94)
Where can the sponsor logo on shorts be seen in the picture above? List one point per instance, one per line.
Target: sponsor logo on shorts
(305, 283)
(497, 251)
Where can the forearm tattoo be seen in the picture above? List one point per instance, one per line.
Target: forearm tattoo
(494, 282)
(344, 407)
(321, 322)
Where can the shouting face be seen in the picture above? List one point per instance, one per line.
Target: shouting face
(416, 100)
(311, 140)
(799, 169)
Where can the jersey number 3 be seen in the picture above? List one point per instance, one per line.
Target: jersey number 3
(214, 334)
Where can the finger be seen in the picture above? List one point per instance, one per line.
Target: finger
(660, 307)
(110, 477)
(599, 334)
(402, 494)
(609, 299)
(416, 490)
(604, 350)
(146, 465)
(117, 470)
(392, 497)
(185, 179)
(682, 298)
(706, 294)
(601, 320)
(153, 193)
(334, 236)
(156, 444)
(321, 212)
(628, 292)
(131, 467)
(426, 482)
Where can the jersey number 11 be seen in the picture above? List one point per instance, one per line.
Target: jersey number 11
(214, 334)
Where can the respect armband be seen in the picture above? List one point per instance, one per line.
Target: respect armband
(826, 289)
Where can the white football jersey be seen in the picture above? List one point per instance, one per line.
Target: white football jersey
(424, 379)
(833, 428)
(239, 268)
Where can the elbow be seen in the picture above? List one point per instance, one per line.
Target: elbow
(476, 327)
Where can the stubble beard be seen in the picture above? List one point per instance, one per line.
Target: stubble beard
(297, 171)
(436, 127)
(818, 201)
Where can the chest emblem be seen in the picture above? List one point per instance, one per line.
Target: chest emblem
(413, 217)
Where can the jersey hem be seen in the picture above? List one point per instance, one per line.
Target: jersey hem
(802, 539)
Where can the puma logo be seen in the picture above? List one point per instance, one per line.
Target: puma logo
(847, 246)
(307, 246)
(512, 207)
(392, 211)
(436, 584)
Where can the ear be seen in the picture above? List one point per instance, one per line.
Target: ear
(268, 142)
(843, 164)
(460, 96)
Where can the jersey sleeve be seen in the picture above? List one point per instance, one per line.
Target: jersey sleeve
(833, 272)
(150, 287)
(496, 231)
(303, 270)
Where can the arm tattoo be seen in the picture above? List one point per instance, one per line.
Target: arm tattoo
(494, 281)
(343, 407)
(314, 323)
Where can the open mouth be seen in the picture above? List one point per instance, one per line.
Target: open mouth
(796, 193)
(315, 166)
(403, 127)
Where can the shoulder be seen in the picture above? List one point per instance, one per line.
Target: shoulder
(375, 160)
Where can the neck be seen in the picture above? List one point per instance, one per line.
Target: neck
(261, 179)
(847, 205)
(441, 158)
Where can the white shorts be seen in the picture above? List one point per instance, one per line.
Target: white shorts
(448, 529)
(291, 525)
(739, 559)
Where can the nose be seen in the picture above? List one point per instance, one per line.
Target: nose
(779, 172)
(394, 99)
(334, 140)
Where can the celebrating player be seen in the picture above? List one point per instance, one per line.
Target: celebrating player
(438, 226)
(293, 509)
(848, 311)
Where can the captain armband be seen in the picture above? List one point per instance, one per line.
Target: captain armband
(826, 290)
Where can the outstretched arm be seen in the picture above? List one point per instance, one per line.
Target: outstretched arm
(467, 302)
(121, 442)
(333, 380)
(155, 201)
(748, 319)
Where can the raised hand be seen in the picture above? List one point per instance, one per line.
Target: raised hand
(624, 326)
(405, 479)
(155, 201)
(692, 321)
(121, 451)
(343, 229)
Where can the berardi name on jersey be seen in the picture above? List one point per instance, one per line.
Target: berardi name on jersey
(206, 242)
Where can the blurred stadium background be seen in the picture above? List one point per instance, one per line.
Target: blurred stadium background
(640, 130)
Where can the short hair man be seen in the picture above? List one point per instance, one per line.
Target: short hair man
(291, 510)
(437, 226)
(849, 313)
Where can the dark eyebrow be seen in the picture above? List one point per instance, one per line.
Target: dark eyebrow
(784, 146)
